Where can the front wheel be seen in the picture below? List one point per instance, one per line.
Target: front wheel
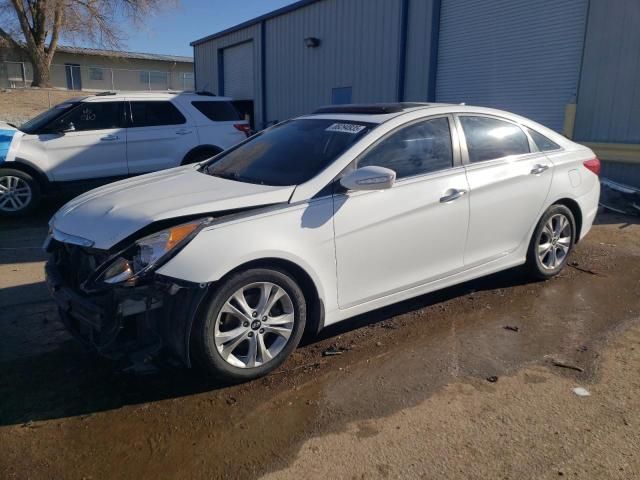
(552, 242)
(251, 324)
(19, 193)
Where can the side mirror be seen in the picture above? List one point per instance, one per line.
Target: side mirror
(69, 128)
(369, 178)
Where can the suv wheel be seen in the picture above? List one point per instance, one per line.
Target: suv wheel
(251, 324)
(552, 242)
(19, 192)
(200, 156)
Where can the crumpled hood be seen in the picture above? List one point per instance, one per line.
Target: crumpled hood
(109, 214)
(7, 132)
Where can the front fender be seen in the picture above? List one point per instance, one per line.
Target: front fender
(300, 234)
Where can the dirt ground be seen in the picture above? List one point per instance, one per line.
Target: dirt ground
(19, 105)
(411, 396)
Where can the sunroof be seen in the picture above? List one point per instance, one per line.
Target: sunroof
(370, 109)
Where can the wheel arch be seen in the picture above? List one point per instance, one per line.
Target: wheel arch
(28, 168)
(201, 148)
(315, 304)
(575, 210)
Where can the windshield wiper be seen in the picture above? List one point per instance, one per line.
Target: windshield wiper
(13, 125)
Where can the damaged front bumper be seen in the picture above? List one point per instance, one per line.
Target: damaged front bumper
(139, 324)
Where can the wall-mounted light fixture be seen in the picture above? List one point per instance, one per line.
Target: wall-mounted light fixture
(312, 42)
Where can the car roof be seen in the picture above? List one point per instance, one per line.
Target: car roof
(162, 95)
(370, 112)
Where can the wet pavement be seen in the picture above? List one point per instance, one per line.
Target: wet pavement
(434, 387)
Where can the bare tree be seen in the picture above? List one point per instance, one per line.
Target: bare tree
(35, 26)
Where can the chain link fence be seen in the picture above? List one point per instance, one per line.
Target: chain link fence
(97, 78)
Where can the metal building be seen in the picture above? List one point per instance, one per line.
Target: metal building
(573, 65)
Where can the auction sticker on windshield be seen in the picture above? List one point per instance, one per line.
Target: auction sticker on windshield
(346, 128)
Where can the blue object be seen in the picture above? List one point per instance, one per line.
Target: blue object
(341, 96)
(6, 136)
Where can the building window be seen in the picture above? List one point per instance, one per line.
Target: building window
(96, 73)
(154, 78)
(341, 95)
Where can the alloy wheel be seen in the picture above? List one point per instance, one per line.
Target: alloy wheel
(555, 241)
(254, 325)
(15, 194)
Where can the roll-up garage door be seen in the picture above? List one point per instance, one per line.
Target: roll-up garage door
(518, 55)
(238, 71)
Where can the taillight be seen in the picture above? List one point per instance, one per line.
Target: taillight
(593, 165)
(244, 128)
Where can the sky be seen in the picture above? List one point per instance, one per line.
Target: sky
(172, 31)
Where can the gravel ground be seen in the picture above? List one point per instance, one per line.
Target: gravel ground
(411, 396)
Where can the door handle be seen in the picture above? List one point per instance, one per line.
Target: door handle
(109, 138)
(538, 169)
(452, 194)
(183, 132)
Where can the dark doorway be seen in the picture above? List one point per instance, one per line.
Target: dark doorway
(74, 78)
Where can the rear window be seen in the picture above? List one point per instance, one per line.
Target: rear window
(542, 142)
(152, 114)
(217, 111)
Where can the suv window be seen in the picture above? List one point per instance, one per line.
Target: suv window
(155, 113)
(542, 142)
(217, 111)
(490, 138)
(420, 148)
(91, 116)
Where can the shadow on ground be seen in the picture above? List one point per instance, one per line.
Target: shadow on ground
(67, 381)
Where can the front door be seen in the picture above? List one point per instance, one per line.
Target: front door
(508, 186)
(88, 142)
(392, 240)
(159, 136)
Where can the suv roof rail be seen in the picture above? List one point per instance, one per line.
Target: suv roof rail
(104, 94)
(205, 93)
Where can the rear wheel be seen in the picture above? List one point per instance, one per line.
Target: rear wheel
(201, 155)
(19, 192)
(552, 242)
(252, 323)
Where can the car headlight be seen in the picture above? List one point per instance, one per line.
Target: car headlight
(150, 252)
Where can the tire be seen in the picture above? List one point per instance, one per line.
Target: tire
(235, 346)
(19, 193)
(200, 156)
(552, 242)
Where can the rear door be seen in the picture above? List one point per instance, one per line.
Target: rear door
(509, 181)
(88, 142)
(159, 136)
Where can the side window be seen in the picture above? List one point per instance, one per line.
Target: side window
(152, 114)
(217, 111)
(490, 138)
(92, 116)
(542, 142)
(417, 149)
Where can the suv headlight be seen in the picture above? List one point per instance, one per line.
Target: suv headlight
(150, 252)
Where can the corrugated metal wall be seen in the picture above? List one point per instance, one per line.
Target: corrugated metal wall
(419, 50)
(205, 57)
(609, 98)
(239, 77)
(518, 55)
(359, 49)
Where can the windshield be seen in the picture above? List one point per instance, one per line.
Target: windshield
(290, 153)
(36, 123)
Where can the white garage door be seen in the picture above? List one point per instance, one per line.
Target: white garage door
(517, 55)
(238, 71)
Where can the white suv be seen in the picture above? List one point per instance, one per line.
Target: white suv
(85, 142)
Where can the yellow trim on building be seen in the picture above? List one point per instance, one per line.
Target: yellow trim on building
(616, 152)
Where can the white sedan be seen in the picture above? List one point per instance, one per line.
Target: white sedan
(226, 263)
